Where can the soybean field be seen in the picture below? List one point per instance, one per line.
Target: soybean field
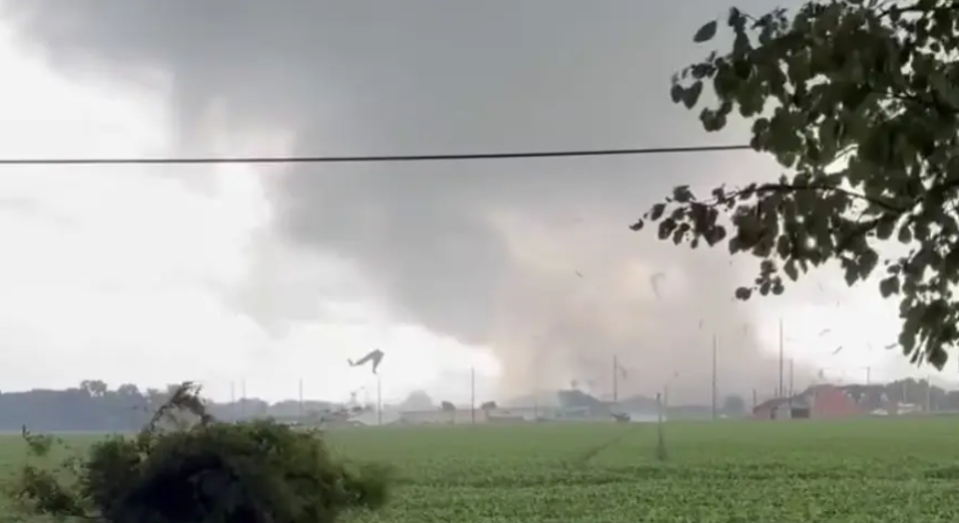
(877, 470)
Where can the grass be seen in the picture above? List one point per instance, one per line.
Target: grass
(801, 471)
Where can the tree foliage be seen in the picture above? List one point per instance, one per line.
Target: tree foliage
(197, 470)
(857, 101)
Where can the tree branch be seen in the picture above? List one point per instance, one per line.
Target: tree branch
(790, 187)
(914, 8)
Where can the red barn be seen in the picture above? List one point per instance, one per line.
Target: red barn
(829, 401)
(817, 402)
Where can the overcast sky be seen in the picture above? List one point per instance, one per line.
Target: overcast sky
(524, 270)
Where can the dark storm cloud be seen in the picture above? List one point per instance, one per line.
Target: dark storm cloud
(486, 251)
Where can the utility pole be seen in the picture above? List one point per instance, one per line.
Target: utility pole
(242, 399)
(233, 400)
(715, 356)
(792, 376)
(615, 379)
(379, 401)
(300, 405)
(472, 395)
(782, 391)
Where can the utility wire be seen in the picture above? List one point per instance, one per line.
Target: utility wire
(370, 159)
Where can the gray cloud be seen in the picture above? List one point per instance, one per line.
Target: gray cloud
(487, 251)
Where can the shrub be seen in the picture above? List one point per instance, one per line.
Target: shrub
(205, 471)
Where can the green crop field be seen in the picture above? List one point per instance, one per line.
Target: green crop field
(785, 472)
(800, 471)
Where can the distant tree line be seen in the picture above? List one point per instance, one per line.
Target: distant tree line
(93, 407)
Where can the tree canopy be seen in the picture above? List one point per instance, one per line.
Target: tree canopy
(857, 100)
(184, 466)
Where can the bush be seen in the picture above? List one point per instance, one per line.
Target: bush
(256, 472)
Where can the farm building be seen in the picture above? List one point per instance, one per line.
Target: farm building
(817, 402)
(443, 417)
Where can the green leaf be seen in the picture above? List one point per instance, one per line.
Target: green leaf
(905, 234)
(889, 286)
(691, 95)
(682, 194)
(666, 228)
(676, 92)
(867, 263)
(657, 211)
(778, 288)
(791, 270)
(705, 33)
(851, 274)
(764, 288)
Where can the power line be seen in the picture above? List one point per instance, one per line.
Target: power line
(370, 159)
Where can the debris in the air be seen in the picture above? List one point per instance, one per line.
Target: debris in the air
(623, 373)
(891, 346)
(375, 356)
(579, 274)
(837, 351)
(700, 324)
(654, 282)
(824, 332)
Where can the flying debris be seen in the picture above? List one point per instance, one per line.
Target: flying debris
(825, 332)
(701, 324)
(375, 356)
(837, 351)
(891, 346)
(579, 274)
(622, 372)
(654, 283)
